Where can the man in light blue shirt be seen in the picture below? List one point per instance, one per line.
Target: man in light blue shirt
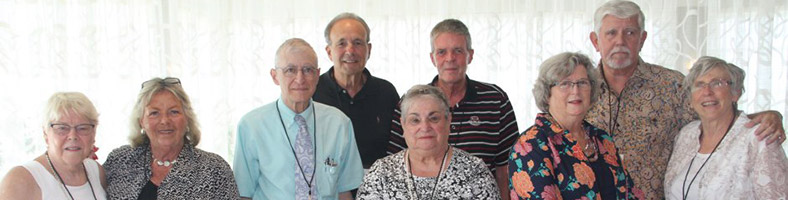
(267, 145)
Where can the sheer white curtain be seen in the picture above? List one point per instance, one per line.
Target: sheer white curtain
(223, 50)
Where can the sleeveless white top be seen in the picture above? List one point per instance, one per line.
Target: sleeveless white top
(51, 188)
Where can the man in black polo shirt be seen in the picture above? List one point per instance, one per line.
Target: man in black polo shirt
(482, 118)
(368, 101)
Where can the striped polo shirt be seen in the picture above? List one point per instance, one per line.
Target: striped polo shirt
(482, 123)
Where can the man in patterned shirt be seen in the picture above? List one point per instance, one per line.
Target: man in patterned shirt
(482, 118)
(644, 105)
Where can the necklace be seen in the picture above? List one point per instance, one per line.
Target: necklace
(685, 194)
(165, 163)
(64, 183)
(590, 148)
(612, 119)
(314, 143)
(414, 193)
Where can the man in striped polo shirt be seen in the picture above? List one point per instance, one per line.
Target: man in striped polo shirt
(482, 119)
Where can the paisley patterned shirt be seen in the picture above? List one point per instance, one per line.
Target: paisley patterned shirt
(547, 163)
(197, 174)
(644, 119)
(466, 177)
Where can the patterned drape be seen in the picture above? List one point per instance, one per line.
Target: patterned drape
(223, 51)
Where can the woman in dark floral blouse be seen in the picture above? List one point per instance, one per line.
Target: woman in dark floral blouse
(562, 156)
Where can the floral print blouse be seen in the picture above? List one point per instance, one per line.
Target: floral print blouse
(546, 163)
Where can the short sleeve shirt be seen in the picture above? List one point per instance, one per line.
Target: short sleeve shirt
(264, 163)
(644, 121)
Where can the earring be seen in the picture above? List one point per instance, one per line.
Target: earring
(142, 131)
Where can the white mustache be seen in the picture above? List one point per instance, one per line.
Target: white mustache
(619, 49)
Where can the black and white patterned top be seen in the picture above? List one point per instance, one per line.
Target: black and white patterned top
(465, 178)
(197, 174)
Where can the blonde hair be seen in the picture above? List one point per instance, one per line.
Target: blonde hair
(63, 103)
(151, 87)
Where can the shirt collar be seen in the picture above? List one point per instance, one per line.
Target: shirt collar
(335, 86)
(639, 74)
(470, 88)
(288, 115)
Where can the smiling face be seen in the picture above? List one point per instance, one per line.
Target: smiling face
(73, 145)
(451, 56)
(619, 41)
(349, 49)
(425, 125)
(713, 102)
(575, 100)
(163, 120)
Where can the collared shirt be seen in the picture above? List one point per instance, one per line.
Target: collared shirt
(482, 123)
(264, 158)
(547, 162)
(644, 120)
(370, 110)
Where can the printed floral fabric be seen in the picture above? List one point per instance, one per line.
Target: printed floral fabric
(546, 163)
(644, 120)
(741, 168)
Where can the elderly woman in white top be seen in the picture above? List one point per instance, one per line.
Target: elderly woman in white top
(63, 171)
(718, 157)
(429, 168)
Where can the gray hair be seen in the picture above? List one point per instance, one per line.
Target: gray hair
(294, 45)
(150, 88)
(65, 103)
(706, 64)
(558, 67)
(419, 91)
(342, 16)
(619, 9)
(450, 26)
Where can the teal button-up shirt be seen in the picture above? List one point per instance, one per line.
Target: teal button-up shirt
(265, 165)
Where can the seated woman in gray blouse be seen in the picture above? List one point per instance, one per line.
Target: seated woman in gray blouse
(429, 168)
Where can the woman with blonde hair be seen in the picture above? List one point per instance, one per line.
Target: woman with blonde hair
(64, 170)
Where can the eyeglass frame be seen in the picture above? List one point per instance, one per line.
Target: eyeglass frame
(713, 84)
(76, 128)
(303, 70)
(164, 81)
(562, 85)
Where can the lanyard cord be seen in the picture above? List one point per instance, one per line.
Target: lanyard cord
(314, 143)
(685, 195)
(64, 183)
(437, 179)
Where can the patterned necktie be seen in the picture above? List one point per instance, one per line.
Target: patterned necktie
(305, 165)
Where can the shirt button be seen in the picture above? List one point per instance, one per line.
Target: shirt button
(453, 127)
(344, 91)
(351, 102)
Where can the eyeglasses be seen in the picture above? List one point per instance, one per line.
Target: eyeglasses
(64, 129)
(566, 85)
(714, 84)
(293, 71)
(165, 81)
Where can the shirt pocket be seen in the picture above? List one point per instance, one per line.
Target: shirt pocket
(329, 176)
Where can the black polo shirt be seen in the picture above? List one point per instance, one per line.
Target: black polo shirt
(370, 111)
